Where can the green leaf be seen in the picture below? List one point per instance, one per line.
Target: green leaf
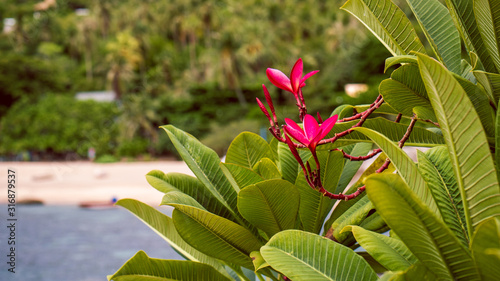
(177, 197)
(352, 216)
(247, 149)
(488, 22)
(242, 176)
(435, 166)
(214, 235)
(490, 83)
(375, 223)
(427, 237)
(258, 261)
(485, 242)
(406, 59)
(466, 141)
(204, 163)
(405, 90)
(405, 167)
(497, 142)
(270, 205)
(388, 23)
(143, 268)
(164, 227)
(189, 185)
(462, 12)
(389, 252)
(342, 111)
(481, 103)
(267, 169)
(440, 31)
(302, 255)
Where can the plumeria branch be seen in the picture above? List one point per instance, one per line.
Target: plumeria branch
(360, 158)
(364, 115)
(312, 132)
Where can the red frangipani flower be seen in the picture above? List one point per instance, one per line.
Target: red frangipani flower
(312, 133)
(292, 84)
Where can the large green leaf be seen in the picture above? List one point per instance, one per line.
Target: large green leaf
(462, 12)
(394, 131)
(270, 205)
(214, 235)
(486, 240)
(405, 167)
(389, 252)
(440, 31)
(204, 163)
(488, 21)
(466, 141)
(497, 142)
(143, 268)
(241, 176)
(490, 83)
(189, 185)
(435, 166)
(482, 104)
(302, 255)
(405, 59)
(267, 169)
(405, 90)
(427, 237)
(164, 226)
(247, 149)
(177, 197)
(352, 216)
(388, 23)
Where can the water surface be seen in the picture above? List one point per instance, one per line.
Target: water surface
(70, 243)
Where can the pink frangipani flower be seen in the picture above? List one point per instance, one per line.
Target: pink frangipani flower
(292, 84)
(312, 133)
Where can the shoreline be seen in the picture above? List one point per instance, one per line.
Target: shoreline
(77, 182)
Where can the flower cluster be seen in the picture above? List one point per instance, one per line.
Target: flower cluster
(313, 132)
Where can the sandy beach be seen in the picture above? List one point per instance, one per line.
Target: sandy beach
(71, 183)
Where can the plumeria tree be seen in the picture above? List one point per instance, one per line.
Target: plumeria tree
(291, 209)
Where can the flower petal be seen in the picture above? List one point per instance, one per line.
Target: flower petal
(311, 127)
(295, 131)
(279, 79)
(327, 126)
(296, 74)
(307, 77)
(264, 110)
(269, 102)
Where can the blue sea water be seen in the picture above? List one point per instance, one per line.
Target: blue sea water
(71, 243)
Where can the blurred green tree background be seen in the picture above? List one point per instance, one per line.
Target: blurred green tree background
(195, 64)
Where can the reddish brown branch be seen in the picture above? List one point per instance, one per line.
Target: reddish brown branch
(361, 158)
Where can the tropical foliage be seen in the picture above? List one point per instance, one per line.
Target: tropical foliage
(271, 210)
(175, 62)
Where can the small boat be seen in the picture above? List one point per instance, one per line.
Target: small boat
(98, 204)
